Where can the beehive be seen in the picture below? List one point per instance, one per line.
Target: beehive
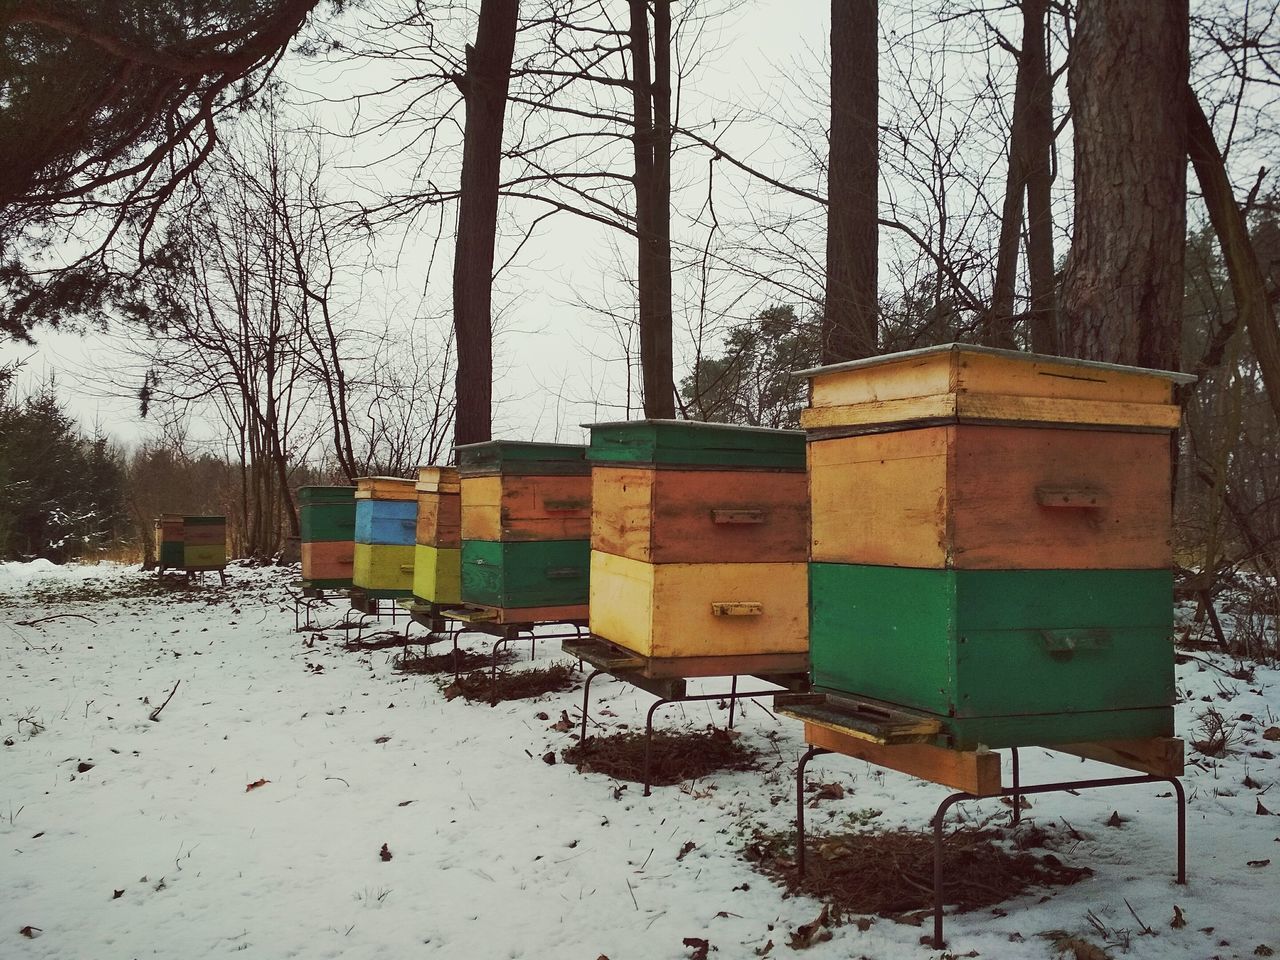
(437, 563)
(698, 539)
(991, 542)
(525, 527)
(169, 539)
(386, 518)
(204, 543)
(327, 516)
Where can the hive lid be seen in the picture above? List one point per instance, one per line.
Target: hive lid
(325, 494)
(960, 382)
(385, 488)
(437, 479)
(697, 444)
(521, 457)
(205, 521)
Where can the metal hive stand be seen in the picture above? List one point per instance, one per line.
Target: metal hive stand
(848, 726)
(665, 679)
(306, 597)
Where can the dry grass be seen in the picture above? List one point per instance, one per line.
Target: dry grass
(676, 757)
(520, 685)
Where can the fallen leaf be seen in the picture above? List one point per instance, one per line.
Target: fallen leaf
(1079, 949)
(1261, 810)
(564, 724)
(549, 758)
(764, 951)
(1271, 733)
(381, 739)
(256, 784)
(807, 934)
(37, 836)
(864, 923)
(1259, 863)
(117, 894)
(31, 932)
(385, 853)
(84, 766)
(540, 715)
(700, 947)
(1178, 921)
(1115, 820)
(689, 846)
(404, 803)
(1262, 950)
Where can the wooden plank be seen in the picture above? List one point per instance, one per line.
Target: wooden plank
(912, 377)
(665, 610)
(973, 771)
(880, 499)
(1068, 411)
(699, 516)
(696, 443)
(519, 508)
(998, 522)
(328, 560)
(936, 406)
(437, 479)
(791, 665)
(385, 488)
(1157, 756)
(477, 613)
(864, 719)
(1039, 376)
(439, 520)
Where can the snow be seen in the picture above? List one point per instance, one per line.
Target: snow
(496, 854)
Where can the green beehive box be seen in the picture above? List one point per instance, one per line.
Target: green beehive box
(1002, 657)
(326, 514)
(515, 457)
(535, 573)
(691, 443)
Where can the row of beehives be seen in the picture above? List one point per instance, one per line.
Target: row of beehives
(190, 543)
(979, 535)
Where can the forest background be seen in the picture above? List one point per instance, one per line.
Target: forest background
(285, 315)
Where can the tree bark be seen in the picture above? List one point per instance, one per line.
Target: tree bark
(484, 88)
(1122, 292)
(1038, 173)
(849, 317)
(651, 146)
(1248, 285)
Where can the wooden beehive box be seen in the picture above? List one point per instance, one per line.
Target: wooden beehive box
(991, 542)
(699, 539)
(204, 543)
(169, 537)
(525, 525)
(437, 563)
(386, 518)
(327, 516)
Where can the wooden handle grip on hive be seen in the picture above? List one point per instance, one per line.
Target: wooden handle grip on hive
(406, 568)
(738, 516)
(1073, 496)
(737, 608)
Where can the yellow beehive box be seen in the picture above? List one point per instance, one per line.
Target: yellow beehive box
(435, 479)
(384, 567)
(437, 574)
(700, 609)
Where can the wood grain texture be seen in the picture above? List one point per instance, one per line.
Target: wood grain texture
(1157, 756)
(385, 488)
(479, 613)
(328, 560)
(519, 508)
(966, 496)
(665, 610)
(688, 516)
(963, 407)
(434, 479)
(976, 772)
(439, 520)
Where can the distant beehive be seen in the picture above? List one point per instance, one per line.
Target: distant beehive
(386, 516)
(437, 563)
(991, 542)
(169, 541)
(526, 525)
(699, 539)
(327, 516)
(191, 543)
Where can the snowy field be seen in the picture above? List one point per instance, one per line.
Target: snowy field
(126, 838)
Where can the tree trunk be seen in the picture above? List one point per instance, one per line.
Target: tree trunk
(1122, 293)
(849, 317)
(1248, 285)
(484, 87)
(1038, 173)
(651, 145)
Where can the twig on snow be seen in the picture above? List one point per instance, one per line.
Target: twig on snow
(54, 616)
(155, 714)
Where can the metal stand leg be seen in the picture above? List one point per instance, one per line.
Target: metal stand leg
(648, 741)
(804, 762)
(1017, 794)
(937, 864)
(586, 704)
(1181, 795)
(733, 698)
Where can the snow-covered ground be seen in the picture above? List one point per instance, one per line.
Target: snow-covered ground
(159, 850)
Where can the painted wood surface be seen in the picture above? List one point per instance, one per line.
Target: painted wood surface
(517, 458)
(699, 516)
(1157, 756)
(379, 566)
(385, 488)
(526, 508)
(1066, 655)
(960, 370)
(333, 494)
(665, 610)
(976, 772)
(985, 497)
(525, 574)
(327, 520)
(692, 443)
(437, 479)
(437, 574)
(439, 520)
(559, 613)
(386, 521)
(204, 556)
(328, 560)
(205, 536)
(962, 408)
